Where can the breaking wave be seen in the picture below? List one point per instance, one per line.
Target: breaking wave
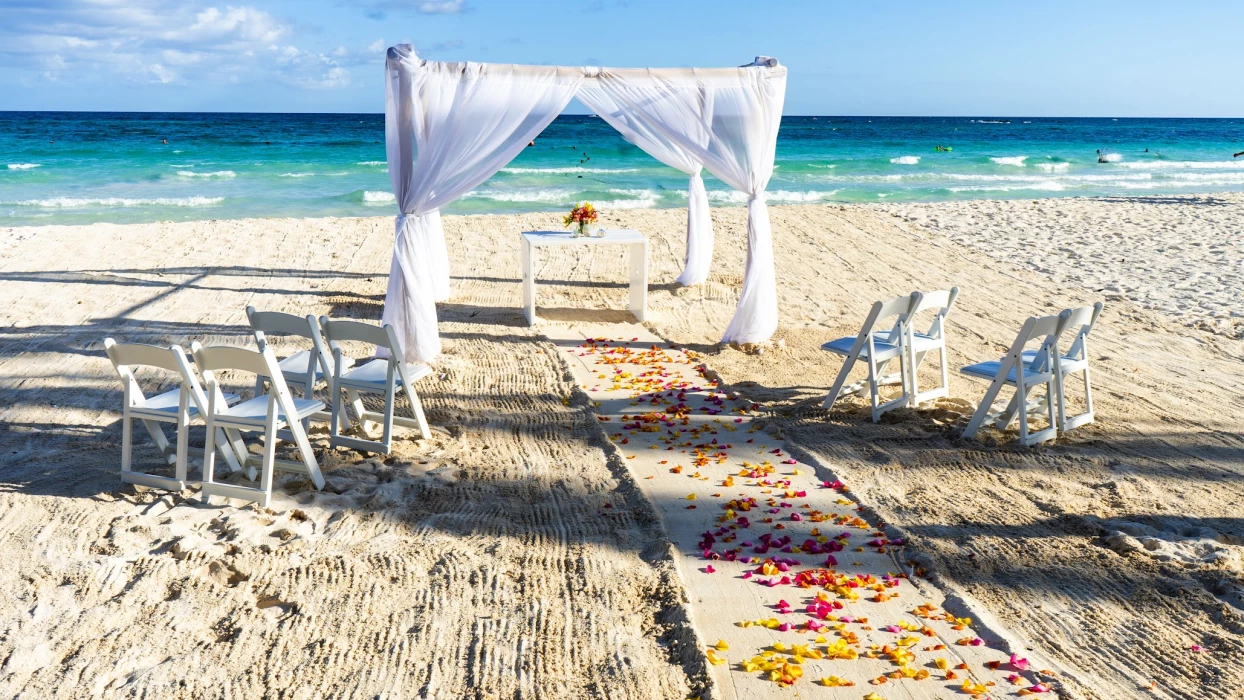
(1017, 161)
(905, 160)
(1182, 164)
(373, 197)
(575, 169)
(24, 166)
(218, 173)
(67, 202)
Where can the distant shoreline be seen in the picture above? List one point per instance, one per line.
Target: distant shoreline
(389, 216)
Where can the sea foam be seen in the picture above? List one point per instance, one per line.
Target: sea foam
(736, 197)
(297, 174)
(1181, 164)
(525, 196)
(374, 197)
(1010, 160)
(24, 166)
(561, 171)
(1053, 167)
(66, 202)
(218, 173)
(905, 160)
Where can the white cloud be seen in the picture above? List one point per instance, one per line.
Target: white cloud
(162, 74)
(441, 7)
(163, 41)
(376, 46)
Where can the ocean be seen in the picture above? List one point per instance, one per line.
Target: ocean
(69, 168)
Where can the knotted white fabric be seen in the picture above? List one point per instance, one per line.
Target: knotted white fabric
(728, 121)
(448, 128)
(636, 127)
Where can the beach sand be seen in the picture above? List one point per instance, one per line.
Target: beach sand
(478, 564)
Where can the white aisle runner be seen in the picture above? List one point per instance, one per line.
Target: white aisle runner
(796, 592)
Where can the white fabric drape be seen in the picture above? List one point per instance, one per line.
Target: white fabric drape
(728, 121)
(448, 128)
(635, 127)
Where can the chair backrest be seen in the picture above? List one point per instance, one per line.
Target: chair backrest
(277, 323)
(1045, 328)
(943, 300)
(384, 336)
(1082, 321)
(262, 363)
(218, 357)
(126, 356)
(131, 354)
(899, 307)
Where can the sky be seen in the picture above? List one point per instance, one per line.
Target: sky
(1104, 58)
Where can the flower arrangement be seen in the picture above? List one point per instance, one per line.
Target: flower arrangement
(583, 215)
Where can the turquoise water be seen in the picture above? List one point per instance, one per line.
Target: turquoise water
(62, 168)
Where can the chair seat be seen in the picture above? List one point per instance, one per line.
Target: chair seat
(167, 403)
(989, 370)
(842, 346)
(255, 411)
(1068, 364)
(294, 367)
(376, 372)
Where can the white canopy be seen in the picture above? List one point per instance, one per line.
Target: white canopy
(451, 126)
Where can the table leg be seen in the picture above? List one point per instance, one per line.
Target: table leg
(639, 279)
(529, 283)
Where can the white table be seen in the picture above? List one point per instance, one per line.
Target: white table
(632, 239)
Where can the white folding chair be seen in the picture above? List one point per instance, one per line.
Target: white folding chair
(378, 376)
(1025, 373)
(178, 406)
(919, 345)
(267, 412)
(1073, 361)
(878, 348)
(304, 369)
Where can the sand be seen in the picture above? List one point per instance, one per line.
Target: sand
(477, 564)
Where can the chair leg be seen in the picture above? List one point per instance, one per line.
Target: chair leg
(417, 409)
(226, 451)
(1007, 416)
(388, 417)
(183, 437)
(269, 460)
(127, 442)
(308, 458)
(1054, 387)
(209, 457)
(356, 402)
(945, 369)
(1062, 401)
(244, 455)
(337, 421)
(991, 395)
(840, 381)
(1021, 395)
(873, 389)
(161, 441)
(913, 361)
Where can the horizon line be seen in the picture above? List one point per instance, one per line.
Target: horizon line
(585, 114)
